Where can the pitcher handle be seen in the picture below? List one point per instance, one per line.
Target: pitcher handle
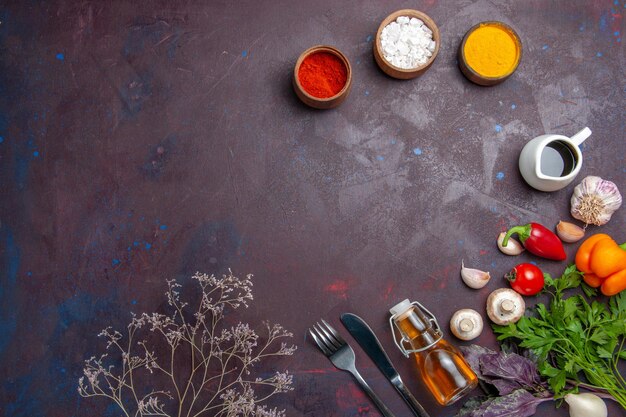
(580, 137)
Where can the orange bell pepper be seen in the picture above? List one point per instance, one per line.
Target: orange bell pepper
(614, 283)
(607, 258)
(603, 263)
(583, 256)
(592, 280)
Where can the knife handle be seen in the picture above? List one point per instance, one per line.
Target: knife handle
(408, 398)
(381, 406)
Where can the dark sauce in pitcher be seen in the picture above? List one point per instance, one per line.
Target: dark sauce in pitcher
(557, 159)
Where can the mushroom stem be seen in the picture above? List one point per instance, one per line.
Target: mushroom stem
(507, 306)
(466, 325)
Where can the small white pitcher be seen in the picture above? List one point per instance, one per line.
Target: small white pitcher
(540, 167)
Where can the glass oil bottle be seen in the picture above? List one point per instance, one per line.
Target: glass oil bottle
(441, 366)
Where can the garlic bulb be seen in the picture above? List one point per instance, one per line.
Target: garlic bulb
(595, 200)
(586, 405)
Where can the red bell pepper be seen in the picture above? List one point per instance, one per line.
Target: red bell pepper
(538, 240)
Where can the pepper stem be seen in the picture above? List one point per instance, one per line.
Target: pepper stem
(522, 231)
(623, 246)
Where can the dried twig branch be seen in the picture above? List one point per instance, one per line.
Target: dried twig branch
(221, 360)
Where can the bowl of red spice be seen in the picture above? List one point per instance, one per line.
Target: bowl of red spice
(322, 77)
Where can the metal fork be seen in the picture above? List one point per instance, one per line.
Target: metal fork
(342, 356)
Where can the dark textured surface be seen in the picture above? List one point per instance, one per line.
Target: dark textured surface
(141, 141)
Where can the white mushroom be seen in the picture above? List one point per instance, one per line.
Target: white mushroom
(505, 306)
(466, 324)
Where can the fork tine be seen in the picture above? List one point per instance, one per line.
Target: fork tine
(325, 337)
(320, 344)
(332, 341)
(335, 333)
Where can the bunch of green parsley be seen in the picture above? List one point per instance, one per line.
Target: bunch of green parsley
(577, 343)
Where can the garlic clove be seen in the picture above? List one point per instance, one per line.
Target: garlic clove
(569, 232)
(474, 278)
(513, 247)
(595, 200)
(586, 405)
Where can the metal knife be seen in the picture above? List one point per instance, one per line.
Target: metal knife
(363, 334)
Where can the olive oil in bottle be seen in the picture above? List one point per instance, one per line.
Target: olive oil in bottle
(441, 366)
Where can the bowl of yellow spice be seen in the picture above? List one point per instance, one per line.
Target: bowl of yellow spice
(489, 53)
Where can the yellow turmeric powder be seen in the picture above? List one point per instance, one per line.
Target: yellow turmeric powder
(492, 50)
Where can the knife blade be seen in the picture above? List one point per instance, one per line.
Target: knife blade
(367, 339)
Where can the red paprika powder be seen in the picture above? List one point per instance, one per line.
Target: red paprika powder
(322, 74)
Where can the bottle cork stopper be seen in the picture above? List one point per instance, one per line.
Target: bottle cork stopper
(401, 307)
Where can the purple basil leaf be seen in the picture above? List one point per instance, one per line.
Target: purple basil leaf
(472, 405)
(512, 367)
(473, 355)
(488, 388)
(507, 372)
(505, 386)
(519, 403)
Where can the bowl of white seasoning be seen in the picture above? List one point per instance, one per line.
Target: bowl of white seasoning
(407, 43)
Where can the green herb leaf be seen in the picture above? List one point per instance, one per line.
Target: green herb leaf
(542, 311)
(557, 382)
(589, 291)
(599, 336)
(548, 282)
(548, 370)
(604, 353)
(617, 305)
(571, 278)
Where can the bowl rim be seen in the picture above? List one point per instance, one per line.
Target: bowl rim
(510, 31)
(329, 49)
(411, 13)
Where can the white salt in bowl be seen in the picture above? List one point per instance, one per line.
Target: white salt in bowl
(402, 73)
